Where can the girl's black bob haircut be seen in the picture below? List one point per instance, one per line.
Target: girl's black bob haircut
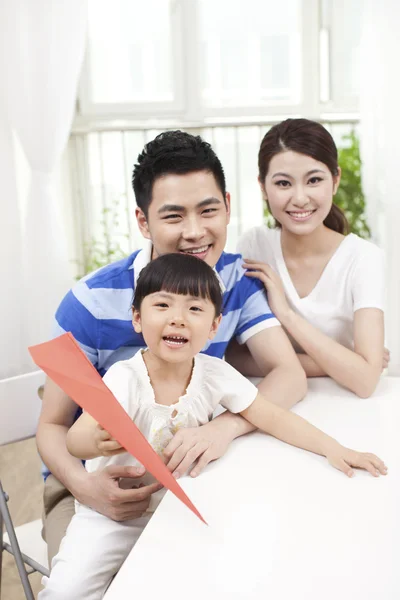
(179, 274)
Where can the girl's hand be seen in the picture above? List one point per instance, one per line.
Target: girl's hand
(106, 445)
(273, 284)
(343, 459)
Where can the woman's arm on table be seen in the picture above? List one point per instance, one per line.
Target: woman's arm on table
(358, 370)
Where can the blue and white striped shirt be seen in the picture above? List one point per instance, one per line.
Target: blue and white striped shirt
(97, 311)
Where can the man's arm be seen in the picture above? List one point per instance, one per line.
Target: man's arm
(239, 357)
(57, 415)
(311, 368)
(269, 354)
(98, 490)
(201, 445)
(285, 381)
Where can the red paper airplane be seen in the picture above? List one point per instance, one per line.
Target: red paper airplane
(68, 366)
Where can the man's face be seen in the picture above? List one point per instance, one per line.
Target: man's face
(187, 214)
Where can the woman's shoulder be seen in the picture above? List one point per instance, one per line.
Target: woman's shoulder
(362, 249)
(365, 263)
(361, 260)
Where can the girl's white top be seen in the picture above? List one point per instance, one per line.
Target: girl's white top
(213, 382)
(352, 279)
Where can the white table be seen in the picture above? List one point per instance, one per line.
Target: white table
(283, 524)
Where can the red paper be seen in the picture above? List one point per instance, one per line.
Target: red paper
(68, 366)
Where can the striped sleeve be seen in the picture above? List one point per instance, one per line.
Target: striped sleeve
(256, 314)
(77, 315)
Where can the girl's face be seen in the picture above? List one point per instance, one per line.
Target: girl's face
(175, 327)
(299, 190)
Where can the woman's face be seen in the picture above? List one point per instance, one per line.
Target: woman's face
(299, 190)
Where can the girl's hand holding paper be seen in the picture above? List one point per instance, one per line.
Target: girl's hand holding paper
(106, 444)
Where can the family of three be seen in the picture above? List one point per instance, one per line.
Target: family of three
(305, 300)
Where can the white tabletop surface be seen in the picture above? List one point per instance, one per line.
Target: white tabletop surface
(283, 524)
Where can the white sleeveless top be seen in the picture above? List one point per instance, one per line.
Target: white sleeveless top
(213, 382)
(352, 279)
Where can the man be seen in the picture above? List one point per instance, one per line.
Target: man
(182, 206)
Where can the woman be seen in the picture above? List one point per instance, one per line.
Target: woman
(324, 286)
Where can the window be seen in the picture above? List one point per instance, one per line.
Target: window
(199, 60)
(224, 69)
(251, 52)
(340, 53)
(131, 58)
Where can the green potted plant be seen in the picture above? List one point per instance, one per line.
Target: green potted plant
(101, 252)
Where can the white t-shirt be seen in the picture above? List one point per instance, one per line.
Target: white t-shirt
(213, 382)
(352, 279)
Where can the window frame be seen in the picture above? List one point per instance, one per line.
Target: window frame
(88, 109)
(187, 106)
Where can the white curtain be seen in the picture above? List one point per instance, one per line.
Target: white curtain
(12, 352)
(11, 277)
(45, 42)
(380, 147)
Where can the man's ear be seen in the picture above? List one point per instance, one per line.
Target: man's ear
(228, 205)
(214, 327)
(136, 322)
(142, 223)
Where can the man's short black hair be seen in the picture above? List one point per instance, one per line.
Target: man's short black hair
(173, 153)
(179, 274)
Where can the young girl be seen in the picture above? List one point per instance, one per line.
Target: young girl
(177, 307)
(325, 287)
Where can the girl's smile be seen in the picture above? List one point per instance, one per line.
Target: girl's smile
(175, 326)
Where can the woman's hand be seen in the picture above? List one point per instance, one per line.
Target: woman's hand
(344, 459)
(273, 284)
(105, 444)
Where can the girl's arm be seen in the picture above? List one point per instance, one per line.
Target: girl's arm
(357, 370)
(290, 428)
(86, 439)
